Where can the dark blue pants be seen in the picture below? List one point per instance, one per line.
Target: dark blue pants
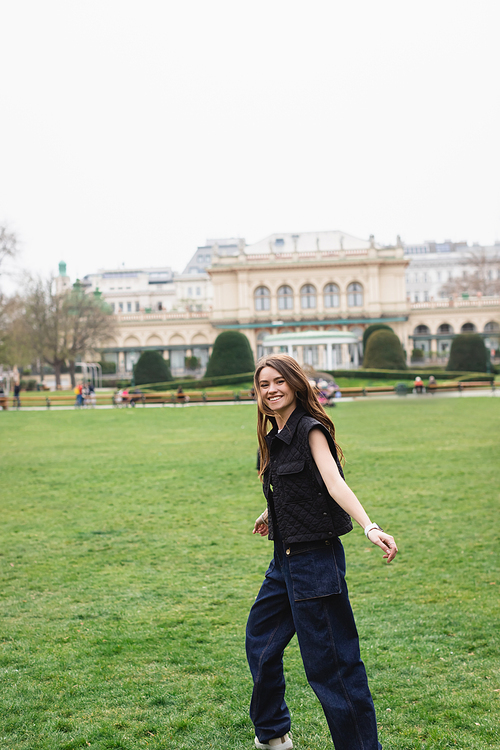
(305, 592)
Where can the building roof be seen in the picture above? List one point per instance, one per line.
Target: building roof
(288, 242)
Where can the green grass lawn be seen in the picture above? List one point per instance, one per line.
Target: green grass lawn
(128, 567)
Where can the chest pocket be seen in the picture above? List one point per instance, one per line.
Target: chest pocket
(293, 479)
(292, 467)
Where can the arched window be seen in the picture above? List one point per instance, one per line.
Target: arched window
(308, 297)
(422, 331)
(260, 349)
(492, 327)
(355, 295)
(262, 298)
(445, 328)
(468, 328)
(285, 298)
(331, 295)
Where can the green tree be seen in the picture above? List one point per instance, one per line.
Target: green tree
(231, 355)
(371, 329)
(192, 363)
(468, 352)
(151, 368)
(384, 352)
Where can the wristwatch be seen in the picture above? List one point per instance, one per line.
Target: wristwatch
(370, 527)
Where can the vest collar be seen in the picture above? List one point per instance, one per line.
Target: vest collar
(290, 427)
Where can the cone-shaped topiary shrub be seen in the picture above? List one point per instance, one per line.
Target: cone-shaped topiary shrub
(371, 329)
(468, 352)
(384, 351)
(231, 355)
(151, 368)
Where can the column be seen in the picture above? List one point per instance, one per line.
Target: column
(356, 355)
(434, 349)
(343, 300)
(121, 362)
(344, 353)
(329, 357)
(334, 358)
(290, 349)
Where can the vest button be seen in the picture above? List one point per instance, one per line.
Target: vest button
(331, 533)
(288, 551)
(325, 513)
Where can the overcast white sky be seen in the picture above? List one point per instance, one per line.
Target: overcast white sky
(132, 131)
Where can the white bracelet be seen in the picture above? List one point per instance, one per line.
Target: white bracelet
(370, 527)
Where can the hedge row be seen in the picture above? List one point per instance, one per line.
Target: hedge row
(375, 374)
(199, 384)
(408, 374)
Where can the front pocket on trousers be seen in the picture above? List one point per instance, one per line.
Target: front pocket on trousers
(314, 573)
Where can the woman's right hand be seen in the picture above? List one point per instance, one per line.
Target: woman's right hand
(260, 526)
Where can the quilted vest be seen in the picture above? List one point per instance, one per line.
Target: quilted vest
(295, 492)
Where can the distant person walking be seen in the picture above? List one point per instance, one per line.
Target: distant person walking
(304, 591)
(78, 391)
(17, 397)
(92, 396)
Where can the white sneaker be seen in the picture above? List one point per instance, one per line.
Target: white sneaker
(282, 743)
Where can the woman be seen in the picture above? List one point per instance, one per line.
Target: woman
(308, 507)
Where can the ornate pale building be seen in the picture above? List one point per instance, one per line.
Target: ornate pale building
(285, 284)
(315, 281)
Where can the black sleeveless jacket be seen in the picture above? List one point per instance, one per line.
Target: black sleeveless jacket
(298, 498)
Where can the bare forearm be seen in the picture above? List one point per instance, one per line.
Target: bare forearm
(336, 486)
(345, 497)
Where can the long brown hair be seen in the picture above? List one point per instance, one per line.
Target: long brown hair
(296, 378)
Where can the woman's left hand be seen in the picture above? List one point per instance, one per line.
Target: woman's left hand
(385, 542)
(260, 526)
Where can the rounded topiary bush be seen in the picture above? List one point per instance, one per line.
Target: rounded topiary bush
(231, 355)
(384, 352)
(468, 352)
(151, 368)
(371, 329)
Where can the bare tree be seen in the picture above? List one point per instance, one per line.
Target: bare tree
(8, 244)
(10, 345)
(481, 275)
(15, 348)
(63, 326)
(92, 323)
(46, 323)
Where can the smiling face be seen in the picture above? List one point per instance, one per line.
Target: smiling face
(276, 393)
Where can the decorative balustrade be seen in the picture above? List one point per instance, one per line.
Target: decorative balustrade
(288, 257)
(456, 302)
(138, 317)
